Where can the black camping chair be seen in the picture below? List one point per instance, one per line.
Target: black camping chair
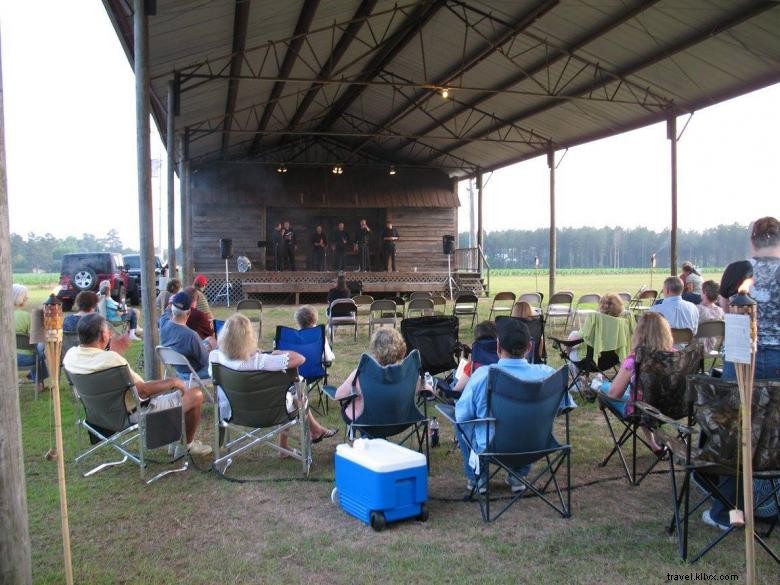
(714, 407)
(538, 353)
(436, 338)
(520, 427)
(259, 414)
(660, 381)
(108, 423)
(310, 343)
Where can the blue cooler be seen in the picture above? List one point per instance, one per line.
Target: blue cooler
(379, 482)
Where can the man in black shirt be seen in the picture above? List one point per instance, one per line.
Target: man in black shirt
(340, 243)
(389, 238)
(288, 246)
(276, 243)
(363, 241)
(320, 243)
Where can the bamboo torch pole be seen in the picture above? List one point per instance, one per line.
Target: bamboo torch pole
(52, 325)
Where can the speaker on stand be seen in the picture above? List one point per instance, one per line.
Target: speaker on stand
(448, 248)
(226, 251)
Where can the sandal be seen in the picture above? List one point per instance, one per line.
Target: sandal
(326, 434)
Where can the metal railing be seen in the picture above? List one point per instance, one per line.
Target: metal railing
(473, 260)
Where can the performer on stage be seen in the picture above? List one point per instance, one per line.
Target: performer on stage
(288, 246)
(389, 238)
(276, 243)
(340, 243)
(320, 243)
(363, 242)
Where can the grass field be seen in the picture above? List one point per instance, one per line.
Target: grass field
(196, 528)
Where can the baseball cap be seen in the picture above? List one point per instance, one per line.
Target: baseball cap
(200, 281)
(182, 301)
(513, 334)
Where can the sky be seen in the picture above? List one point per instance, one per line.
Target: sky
(70, 146)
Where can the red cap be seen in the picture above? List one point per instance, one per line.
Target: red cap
(200, 281)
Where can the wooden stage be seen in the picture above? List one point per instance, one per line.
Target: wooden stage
(259, 284)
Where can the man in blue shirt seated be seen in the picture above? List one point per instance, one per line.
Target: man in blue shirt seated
(513, 345)
(175, 334)
(679, 313)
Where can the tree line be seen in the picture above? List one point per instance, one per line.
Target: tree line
(613, 247)
(44, 253)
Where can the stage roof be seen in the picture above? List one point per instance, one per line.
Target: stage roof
(361, 83)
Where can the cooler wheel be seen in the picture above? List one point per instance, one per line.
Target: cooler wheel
(334, 495)
(378, 521)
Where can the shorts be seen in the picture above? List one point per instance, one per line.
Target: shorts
(161, 402)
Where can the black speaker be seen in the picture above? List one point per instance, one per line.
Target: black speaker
(448, 244)
(226, 248)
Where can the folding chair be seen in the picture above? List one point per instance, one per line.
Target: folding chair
(106, 420)
(172, 359)
(363, 303)
(436, 340)
(534, 299)
(310, 343)
(586, 305)
(439, 305)
(625, 297)
(642, 301)
(419, 307)
(483, 353)
(466, 304)
(119, 327)
(342, 312)
(660, 382)
(681, 337)
(419, 295)
(23, 342)
(258, 401)
(382, 312)
(711, 334)
(537, 353)
(502, 303)
(253, 309)
(389, 401)
(559, 307)
(520, 427)
(69, 339)
(715, 410)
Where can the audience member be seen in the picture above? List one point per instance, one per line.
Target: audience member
(200, 283)
(709, 310)
(484, 331)
(116, 312)
(90, 357)
(28, 357)
(306, 317)
(198, 321)
(175, 334)
(340, 291)
(523, 310)
(86, 302)
(165, 296)
(679, 313)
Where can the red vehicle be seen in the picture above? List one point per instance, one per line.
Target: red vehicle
(85, 271)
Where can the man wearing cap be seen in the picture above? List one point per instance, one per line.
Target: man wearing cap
(513, 345)
(175, 334)
(200, 283)
(90, 357)
(679, 313)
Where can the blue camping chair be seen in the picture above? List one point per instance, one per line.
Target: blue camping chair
(389, 406)
(310, 343)
(520, 427)
(483, 353)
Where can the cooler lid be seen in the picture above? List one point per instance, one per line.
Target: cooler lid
(380, 455)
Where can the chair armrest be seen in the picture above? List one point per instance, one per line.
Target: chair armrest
(653, 413)
(566, 342)
(331, 393)
(447, 411)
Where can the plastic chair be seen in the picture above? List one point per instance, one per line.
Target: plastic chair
(107, 421)
(342, 312)
(420, 307)
(559, 307)
(253, 309)
(465, 305)
(382, 312)
(502, 303)
(310, 343)
(521, 417)
(436, 340)
(258, 401)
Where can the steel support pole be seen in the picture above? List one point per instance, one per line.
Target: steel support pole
(186, 233)
(170, 143)
(671, 134)
(145, 209)
(480, 232)
(553, 233)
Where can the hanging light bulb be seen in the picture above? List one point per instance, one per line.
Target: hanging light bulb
(281, 169)
(338, 169)
(445, 93)
(392, 170)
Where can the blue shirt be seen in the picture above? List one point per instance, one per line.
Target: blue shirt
(185, 341)
(679, 313)
(473, 402)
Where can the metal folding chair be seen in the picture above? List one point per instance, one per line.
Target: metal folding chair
(586, 305)
(711, 335)
(172, 359)
(363, 303)
(534, 299)
(342, 312)
(559, 307)
(502, 303)
(420, 307)
(23, 343)
(382, 312)
(466, 305)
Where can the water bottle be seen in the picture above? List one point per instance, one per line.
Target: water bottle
(433, 432)
(595, 384)
(429, 382)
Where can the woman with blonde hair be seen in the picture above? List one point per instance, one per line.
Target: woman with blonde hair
(611, 304)
(523, 310)
(237, 349)
(23, 320)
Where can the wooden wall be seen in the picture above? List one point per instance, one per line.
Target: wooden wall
(243, 202)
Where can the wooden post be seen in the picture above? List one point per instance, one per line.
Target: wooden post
(186, 222)
(553, 233)
(170, 144)
(480, 232)
(15, 564)
(145, 209)
(671, 134)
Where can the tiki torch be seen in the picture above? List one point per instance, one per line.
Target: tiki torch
(536, 271)
(52, 328)
(652, 268)
(744, 308)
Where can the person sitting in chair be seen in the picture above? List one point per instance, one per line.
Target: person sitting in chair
(23, 321)
(116, 312)
(523, 310)
(200, 283)
(610, 304)
(306, 317)
(513, 345)
(86, 302)
(91, 356)
(340, 291)
(175, 334)
(165, 296)
(484, 331)
(238, 351)
(679, 313)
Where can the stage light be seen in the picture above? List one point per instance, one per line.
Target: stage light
(392, 170)
(338, 169)
(281, 169)
(445, 93)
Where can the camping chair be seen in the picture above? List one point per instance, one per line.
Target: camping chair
(466, 304)
(119, 327)
(605, 342)
(419, 295)
(715, 406)
(711, 334)
(439, 305)
(23, 342)
(106, 420)
(502, 303)
(642, 301)
(363, 303)
(534, 299)
(559, 307)
(419, 307)
(681, 337)
(172, 359)
(586, 305)
(258, 401)
(389, 401)
(538, 350)
(310, 343)
(660, 380)
(520, 423)
(69, 339)
(436, 340)
(342, 312)
(253, 309)
(382, 312)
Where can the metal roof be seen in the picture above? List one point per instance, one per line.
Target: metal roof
(360, 82)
